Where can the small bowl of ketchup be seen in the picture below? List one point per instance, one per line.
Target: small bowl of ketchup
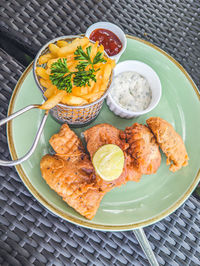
(110, 36)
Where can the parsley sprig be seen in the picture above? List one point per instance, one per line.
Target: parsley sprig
(64, 79)
(58, 75)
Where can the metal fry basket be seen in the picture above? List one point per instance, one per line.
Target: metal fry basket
(75, 116)
(82, 115)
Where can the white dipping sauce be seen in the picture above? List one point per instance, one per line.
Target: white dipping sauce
(131, 91)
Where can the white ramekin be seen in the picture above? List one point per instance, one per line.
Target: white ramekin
(151, 76)
(115, 29)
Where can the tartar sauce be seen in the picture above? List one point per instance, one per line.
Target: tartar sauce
(131, 91)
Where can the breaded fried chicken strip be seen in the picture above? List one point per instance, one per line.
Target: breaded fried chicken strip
(103, 134)
(143, 148)
(71, 174)
(170, 142)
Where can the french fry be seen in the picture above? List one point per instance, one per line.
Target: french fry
(90, 88)
(45, 82)
(44, 58)
(73, 100)
(40, 71)
(53, 100)
(80, 91)
(48, 71)
(100, 65)
(106, 76)
(111, 62)
(69, 49)
(99, 77)
(94, 50)
(61, 43)
(93, 96)
(96, 96)
(51, 61)
(100, 48)
(79, 95)
(86, 46)
(50, 91)
(87, 96)
(54, 49)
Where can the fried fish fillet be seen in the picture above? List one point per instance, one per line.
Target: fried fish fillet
(100, 135)
(103, 134)
(73, 183)
(170, 142)
(143, 148)
(71, 174)
(66, 143)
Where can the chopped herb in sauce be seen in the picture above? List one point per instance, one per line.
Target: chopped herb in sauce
(131, 91)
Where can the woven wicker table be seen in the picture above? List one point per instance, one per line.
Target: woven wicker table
(29, 234)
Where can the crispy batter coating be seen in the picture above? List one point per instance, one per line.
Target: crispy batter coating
(100, 135)
(65, 142)
(132, 173)
(103, 134)
(143, 148)
(71, 174)
(74, 182)
(170, 142)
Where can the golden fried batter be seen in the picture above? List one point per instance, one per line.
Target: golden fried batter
(103, 134)
(71, 174)
(170, 142)
(132, 173)
(100, 135)
(74, 182)
(65, 142)
(143, 148)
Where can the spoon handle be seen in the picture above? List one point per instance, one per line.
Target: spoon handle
(144, 243)
(37, 137)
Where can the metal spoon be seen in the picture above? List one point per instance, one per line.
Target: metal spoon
(144, 243)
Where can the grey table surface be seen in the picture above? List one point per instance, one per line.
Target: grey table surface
(31, 235)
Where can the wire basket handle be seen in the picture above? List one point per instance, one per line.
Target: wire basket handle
(37, 137)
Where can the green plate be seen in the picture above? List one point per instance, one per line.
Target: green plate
(132, 205)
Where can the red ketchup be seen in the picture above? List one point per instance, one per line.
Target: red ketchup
(108, 39)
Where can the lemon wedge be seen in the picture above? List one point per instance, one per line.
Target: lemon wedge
(108, 162)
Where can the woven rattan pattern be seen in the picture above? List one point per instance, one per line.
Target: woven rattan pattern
(30, 235)
(172, 25)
